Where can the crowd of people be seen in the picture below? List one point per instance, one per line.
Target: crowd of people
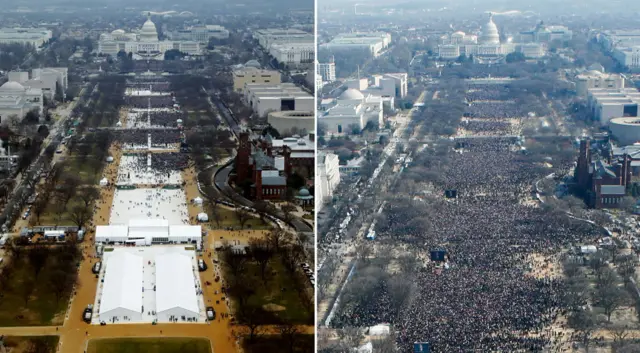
(142, 102)
(156, 86)
(163, 117)
(495, 109)
(140, 137)
(488, 126)
(486, 299)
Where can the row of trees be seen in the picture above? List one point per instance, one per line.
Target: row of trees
(59, 263)
(261, 254)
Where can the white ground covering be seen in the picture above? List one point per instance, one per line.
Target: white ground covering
(136, 204)
(189, 283)
(144, 92)
(130, 172)
(135, 119)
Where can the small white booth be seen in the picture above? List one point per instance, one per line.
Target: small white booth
(104, 182)
(203, 217)
(198, 200)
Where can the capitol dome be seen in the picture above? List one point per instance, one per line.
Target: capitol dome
(149, 31)
(12, 86)
(351, 94)
(490, 33)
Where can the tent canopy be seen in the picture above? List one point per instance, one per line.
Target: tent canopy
(104, 182)
(203, 217)
(198, 200)
(122, 283)
(175, 286)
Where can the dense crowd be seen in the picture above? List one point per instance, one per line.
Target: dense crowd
(485, 300)
(487, 93)
(165, 162)
(163, 117)
(495, 109)
(488, 126)
(153, 101)
(156, 86)
(140, 137)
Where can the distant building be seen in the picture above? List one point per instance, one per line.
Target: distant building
(200, 34)
(328, 177)
(144, 44)
(597, 79)
(46, 79)
(288, 121)
(351, 109)
(327, 71)
(290, 47)
(604, 182)
(625, 130)
(624, 45)
(485, 48)
(250, 75)
(544, 34)
(266, 98)
(35, 37)
(371, 42)
(17, 100)
(608, 103)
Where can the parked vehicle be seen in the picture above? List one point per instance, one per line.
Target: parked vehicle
(88, 314)
(96, 267)
(211, 314)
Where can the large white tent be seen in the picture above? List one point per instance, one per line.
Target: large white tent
(147, 232)
(175, 287)
(122, 289)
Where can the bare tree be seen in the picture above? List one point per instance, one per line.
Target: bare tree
(289, 334)
(584, 322)
(627, 266)
(254, 318)
(80, 215)
(27, 287)
(60, 282)
(243, 216)
(620, 335)
(261, 252)
(38, 256)
(609, 299)
(89, 195)
(278, 238)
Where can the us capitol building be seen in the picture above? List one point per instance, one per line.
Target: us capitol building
(486, 48)
(144, 44)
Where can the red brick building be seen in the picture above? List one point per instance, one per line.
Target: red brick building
(604, 182)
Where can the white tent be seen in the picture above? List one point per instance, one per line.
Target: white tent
(122, 289)
(109, 159)
(104, 182)
(119, 124)
(175, 287)
(198, 200)
(379, 330)
(112, 233)
(203, 217)
(365, 348)
(588, 249)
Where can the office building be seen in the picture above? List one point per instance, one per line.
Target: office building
(266, 98)
(250, 75)
(35, 37)
(597, 79)
(371, 42)
(327, 71)
(200, 34)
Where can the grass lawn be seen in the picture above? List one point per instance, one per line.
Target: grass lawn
(55, 216)
(276, 344)
(228, 219)
(20, 344)
(149, 345)
(86, 170)
(292, 308)
(41, 308)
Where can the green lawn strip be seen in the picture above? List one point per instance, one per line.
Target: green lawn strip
(228, 218)
(149, 345)
(302, 343)
(42, 306)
